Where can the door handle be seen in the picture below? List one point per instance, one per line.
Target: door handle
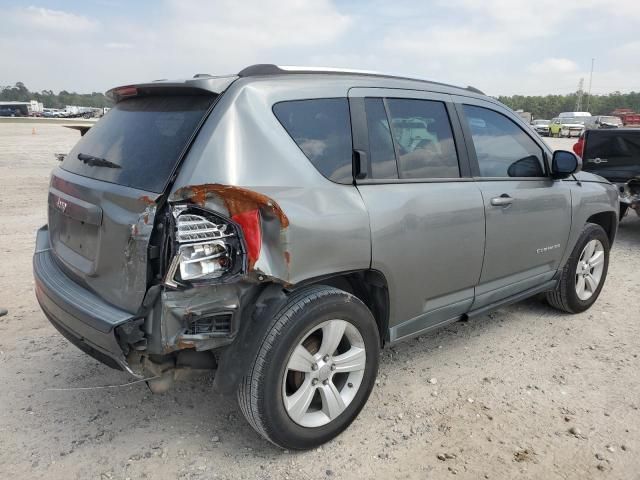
(503, 200)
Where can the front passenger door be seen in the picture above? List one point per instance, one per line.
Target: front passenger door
(528, 214)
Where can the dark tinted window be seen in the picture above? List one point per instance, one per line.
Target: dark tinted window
(423, 139)
(143, 136)
(612, 153)
(502, 148)
(322, 130)
(382, 155)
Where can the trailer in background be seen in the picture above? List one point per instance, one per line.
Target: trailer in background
(73, 111)
(21, 109)
(629, 117)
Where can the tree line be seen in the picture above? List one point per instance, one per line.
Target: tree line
(550, 106)
(20, 93)
(541, 107)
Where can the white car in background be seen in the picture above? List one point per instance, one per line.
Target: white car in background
(541, 127)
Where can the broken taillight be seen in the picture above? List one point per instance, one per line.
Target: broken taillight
(250, 224)
(207, 247)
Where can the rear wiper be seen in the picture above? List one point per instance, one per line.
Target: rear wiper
(96, 161)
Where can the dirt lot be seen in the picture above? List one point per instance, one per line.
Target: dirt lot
(522, 393)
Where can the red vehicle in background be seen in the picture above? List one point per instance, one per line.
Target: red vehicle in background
(629, 117)
(578, 147)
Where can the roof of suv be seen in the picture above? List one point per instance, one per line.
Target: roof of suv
(218, 83)
(270, 69)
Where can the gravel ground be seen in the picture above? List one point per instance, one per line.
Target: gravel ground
(525, 392)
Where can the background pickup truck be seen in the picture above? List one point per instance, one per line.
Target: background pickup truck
(615, 155)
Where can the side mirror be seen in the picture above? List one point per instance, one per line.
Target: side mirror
(565, 163)
(526, 167)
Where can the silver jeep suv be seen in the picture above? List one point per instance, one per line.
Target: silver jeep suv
(282, 224)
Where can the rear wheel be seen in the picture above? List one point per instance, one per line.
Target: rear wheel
(314, 371)
(583, 276)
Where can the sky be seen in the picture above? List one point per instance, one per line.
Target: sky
(527, 47)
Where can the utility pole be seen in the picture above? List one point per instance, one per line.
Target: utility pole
(590, 80)
(579, 94)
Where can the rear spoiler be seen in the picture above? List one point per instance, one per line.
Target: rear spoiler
(192, 86)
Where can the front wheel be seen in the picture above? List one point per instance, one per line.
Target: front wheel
(583, 276)
(314, 370)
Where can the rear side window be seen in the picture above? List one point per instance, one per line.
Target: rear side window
(502, 147)
(139, 142)
(322, 129)
(423, 139)
(381, 152)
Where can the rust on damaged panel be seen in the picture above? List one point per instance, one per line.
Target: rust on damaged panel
(147, 200)
(236, 199)
(150, 203)
(182, 344)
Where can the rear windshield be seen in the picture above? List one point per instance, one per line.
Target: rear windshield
(139, 141)
(609, 149)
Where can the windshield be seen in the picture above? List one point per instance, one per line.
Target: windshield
(572, 121)
(139, 142)
(541, 122)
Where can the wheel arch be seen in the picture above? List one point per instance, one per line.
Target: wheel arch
(370, 286)
(608, 221)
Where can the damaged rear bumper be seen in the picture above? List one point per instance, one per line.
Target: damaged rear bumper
(82, 317)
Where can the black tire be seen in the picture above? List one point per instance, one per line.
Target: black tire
(565, 297)
(260, 393)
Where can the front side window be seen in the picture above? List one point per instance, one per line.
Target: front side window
(503, 149)
(322, 129)
(423, 139)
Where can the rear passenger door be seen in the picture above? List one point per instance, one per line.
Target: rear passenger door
(426, 213)
(528, 214)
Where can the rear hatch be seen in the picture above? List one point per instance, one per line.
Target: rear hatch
(612, 153)
(102, 198)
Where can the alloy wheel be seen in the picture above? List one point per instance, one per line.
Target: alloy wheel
(589, 269)
(323, 373)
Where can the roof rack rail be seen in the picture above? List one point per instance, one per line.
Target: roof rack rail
(202, 75)
(260, 69)
(474, 90)
(271, 69)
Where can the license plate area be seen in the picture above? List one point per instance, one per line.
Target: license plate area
(74, 231)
